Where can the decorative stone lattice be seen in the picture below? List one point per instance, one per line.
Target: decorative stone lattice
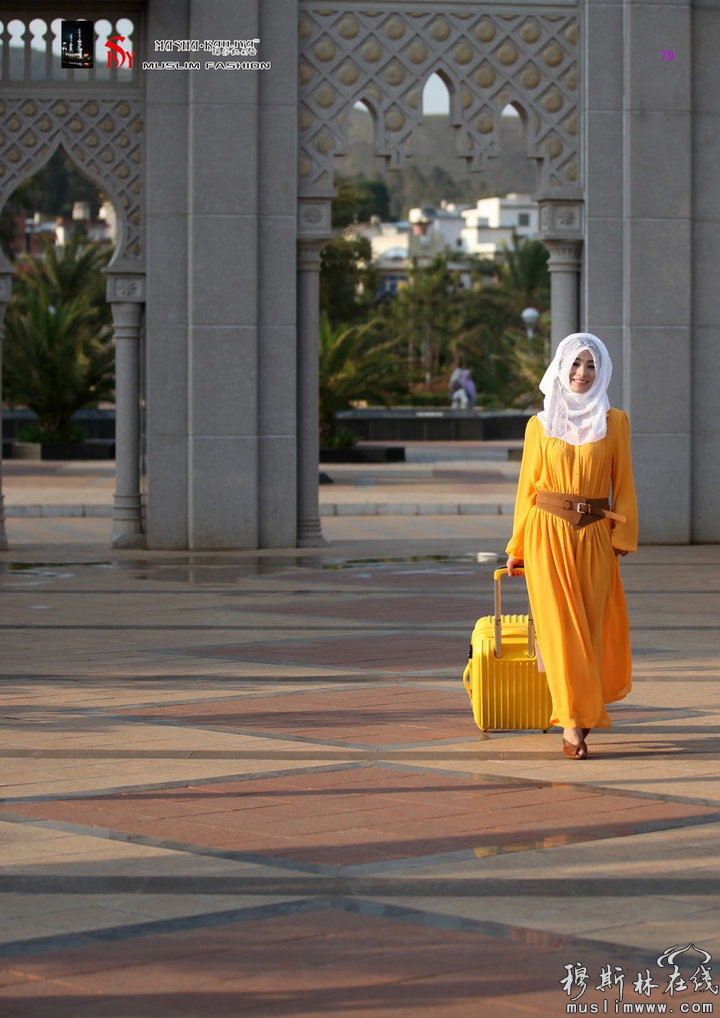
(102, 136)
(487, 59)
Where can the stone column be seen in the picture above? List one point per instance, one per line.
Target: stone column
(126, 299)
(309, 528)
(314, 231)
(564, 268)
(5, 293)
(560, 233)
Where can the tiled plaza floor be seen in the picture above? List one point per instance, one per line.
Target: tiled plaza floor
(250, 785)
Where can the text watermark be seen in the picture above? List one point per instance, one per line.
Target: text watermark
(669, 981)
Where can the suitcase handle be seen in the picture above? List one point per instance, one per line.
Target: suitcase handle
(467, 682)
(497, 625)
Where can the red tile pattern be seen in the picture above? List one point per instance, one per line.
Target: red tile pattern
(363, 607)
(332, 963)
(361, 815)
(394, 653)
(379, 715)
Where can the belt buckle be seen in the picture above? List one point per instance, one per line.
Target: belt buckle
(583, 507)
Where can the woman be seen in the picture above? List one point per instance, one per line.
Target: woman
(576, 453)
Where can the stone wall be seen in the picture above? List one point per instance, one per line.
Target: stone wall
(220, 328)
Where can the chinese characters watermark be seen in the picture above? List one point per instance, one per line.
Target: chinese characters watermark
(217, 47)
(577, 980)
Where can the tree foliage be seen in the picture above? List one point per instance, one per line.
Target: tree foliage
(64, 272)
(413, 189)
(357, 199)
(355, 364)
(51, 191)
(58, 355)
(440, 325)
(507, 364)
(348, 279)
(524, 272)
(423, 319)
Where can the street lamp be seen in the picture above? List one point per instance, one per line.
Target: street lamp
(530, 317)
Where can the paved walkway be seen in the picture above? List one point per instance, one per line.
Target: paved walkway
(250, 785)
(474, 478)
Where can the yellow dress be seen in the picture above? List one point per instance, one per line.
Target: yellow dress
(573, 576)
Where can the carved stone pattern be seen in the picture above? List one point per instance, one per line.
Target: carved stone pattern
(383, 58)
(127, 288)
(567, 217)
(559, 219)
(103, 137)
(564, 254)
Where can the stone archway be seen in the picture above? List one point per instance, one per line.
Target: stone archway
(98, 119)
(382, 55)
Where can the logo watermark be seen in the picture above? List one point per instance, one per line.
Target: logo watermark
(77, 44)
(669, 981)
(116, 55)
(215, 48)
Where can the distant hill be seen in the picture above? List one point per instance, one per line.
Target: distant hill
(434, 147)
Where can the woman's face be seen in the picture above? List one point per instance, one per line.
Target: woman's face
(582, 372)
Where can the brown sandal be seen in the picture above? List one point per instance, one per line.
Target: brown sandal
(574, 752)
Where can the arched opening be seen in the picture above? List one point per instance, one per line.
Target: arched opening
(452, 238)
(436, 97)
(505, 130)
(50, 194)
(58, 230)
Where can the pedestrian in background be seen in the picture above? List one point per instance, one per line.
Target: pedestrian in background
(468, 385)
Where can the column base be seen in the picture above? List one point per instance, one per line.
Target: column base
(127, 540)
(309, 533)
(3, 535)
(127, 522)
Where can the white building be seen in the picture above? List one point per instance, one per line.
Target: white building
(492, 222)
(428, 234)
(445, 222)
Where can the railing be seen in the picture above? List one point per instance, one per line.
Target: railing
(34, 46)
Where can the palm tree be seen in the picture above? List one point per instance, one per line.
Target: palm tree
(354, 365)
(525, 273)
(58, 355)
(64, 271)
(424, 317)
(56, 361)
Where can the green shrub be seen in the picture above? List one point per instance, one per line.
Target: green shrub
(33, 432)
(343, 438)
(58, 356)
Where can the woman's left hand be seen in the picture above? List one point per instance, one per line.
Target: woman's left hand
(619, 551)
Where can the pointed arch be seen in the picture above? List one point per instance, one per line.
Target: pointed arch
(102, 137)
(447, 84)
(59, 144)
(486, 59)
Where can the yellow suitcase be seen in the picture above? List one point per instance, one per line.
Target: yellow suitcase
(506, 689)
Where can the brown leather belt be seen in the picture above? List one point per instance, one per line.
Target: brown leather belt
(575, 509)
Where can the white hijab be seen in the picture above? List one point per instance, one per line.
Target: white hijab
(574, 417)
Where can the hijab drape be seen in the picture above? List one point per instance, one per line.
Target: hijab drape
(574, 417)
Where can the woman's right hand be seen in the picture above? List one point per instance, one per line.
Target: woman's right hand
(512, 565)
